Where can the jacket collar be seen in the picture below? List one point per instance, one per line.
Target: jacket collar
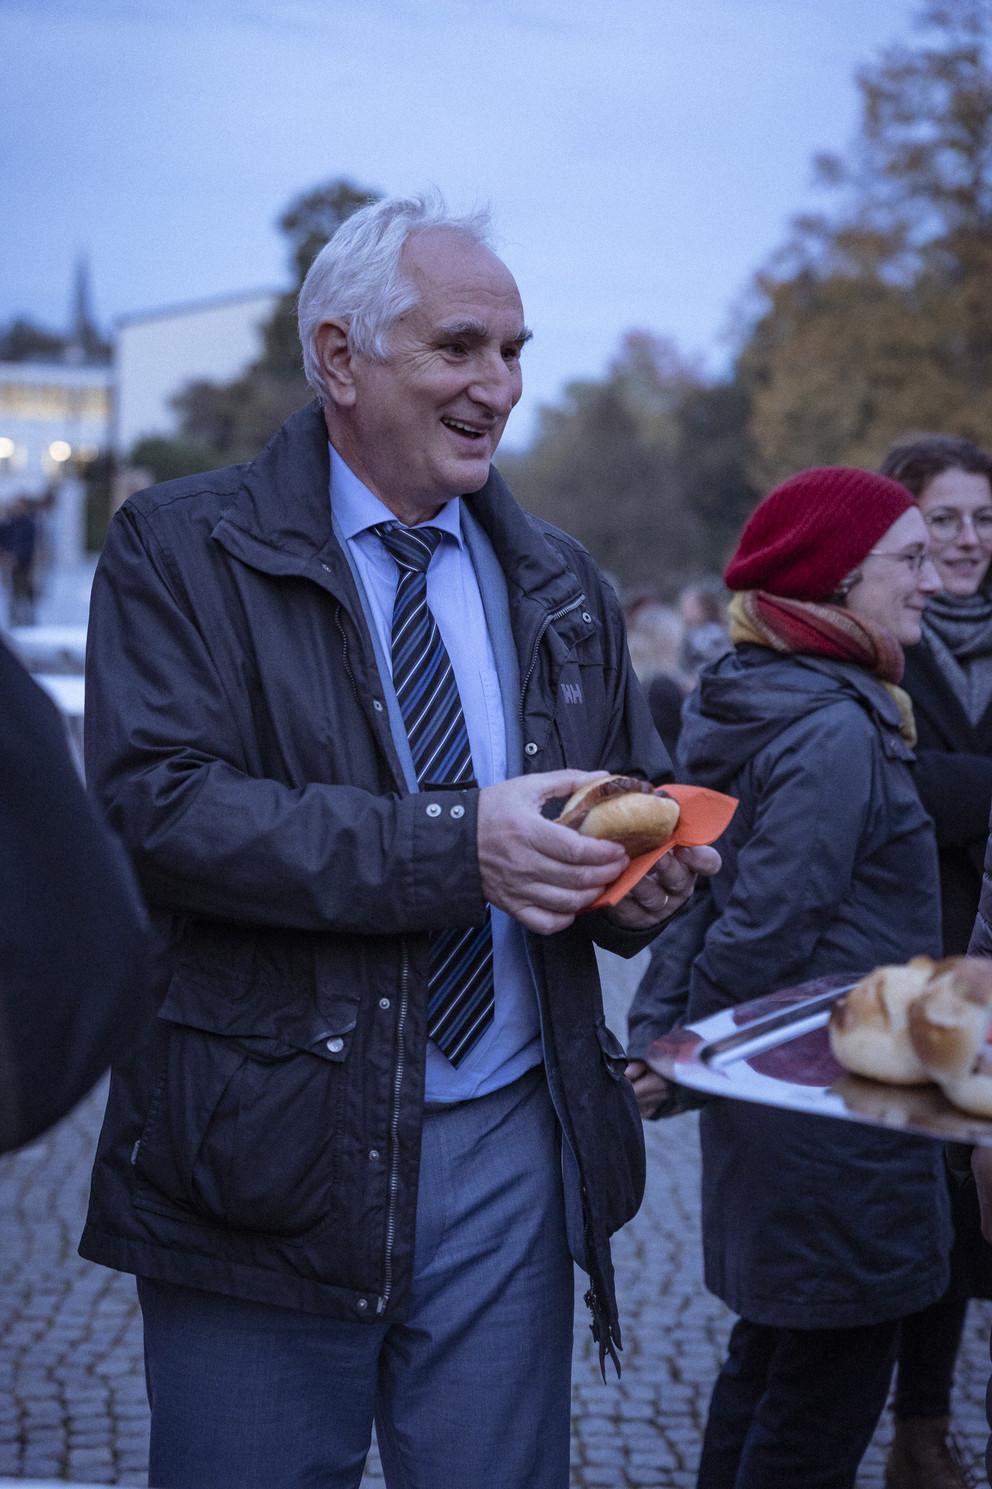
(280, 520)
(282, 503)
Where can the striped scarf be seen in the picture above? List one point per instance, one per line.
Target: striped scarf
(823, 630)
(958, 631)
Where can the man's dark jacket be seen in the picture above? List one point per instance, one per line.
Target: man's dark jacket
(265, 1142)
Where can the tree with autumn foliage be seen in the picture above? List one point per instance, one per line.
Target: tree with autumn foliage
(644, 466)
(875, 320)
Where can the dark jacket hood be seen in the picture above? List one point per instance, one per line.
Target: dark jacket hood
(746, 698)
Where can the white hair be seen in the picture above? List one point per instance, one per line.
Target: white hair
(356, 276)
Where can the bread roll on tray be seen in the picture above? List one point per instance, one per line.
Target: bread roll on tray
(869, 1024)
(949, 1027)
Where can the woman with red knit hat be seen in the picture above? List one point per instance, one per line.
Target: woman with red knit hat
(819, 1235)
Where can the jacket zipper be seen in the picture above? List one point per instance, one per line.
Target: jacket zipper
(549, 620)
(382, 1302)
(394, 1130)
(345, 657)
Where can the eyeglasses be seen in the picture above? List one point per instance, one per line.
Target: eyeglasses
(914, 559)
(946, 525)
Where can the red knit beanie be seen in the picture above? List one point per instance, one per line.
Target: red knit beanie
(810, 532)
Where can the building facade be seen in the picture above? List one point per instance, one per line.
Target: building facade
(158, 352)
(55, 418)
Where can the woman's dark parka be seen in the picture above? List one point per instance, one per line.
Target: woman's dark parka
(829, 865)
(264, 1142)
(954, 776)
(981, 945)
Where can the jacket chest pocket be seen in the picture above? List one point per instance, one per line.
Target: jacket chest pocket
(245, 1132)
(322, 718)
(569, 718)
(580, 710)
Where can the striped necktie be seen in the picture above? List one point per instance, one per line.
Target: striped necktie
(460, 986)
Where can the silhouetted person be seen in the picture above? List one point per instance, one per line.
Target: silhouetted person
(72, 941)
(18, 541)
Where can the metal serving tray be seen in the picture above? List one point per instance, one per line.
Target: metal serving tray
(775, 1051)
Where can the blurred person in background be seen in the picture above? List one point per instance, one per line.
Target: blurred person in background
(655, 635)
(43, 509)
(18, 550)
(949, 678)
(819, 1236)
(703, 608)
(72, 930)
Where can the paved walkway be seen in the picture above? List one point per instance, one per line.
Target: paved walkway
(71, 1385)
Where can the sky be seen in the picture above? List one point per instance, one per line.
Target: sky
(642, 158)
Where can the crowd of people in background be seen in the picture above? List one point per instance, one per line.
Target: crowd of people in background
(671, 643)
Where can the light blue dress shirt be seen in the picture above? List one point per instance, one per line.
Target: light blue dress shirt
(512, 1044)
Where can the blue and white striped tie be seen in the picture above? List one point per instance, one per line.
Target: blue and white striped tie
(460, 987)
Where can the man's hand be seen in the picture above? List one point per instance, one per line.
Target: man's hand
(650, 1088)
(536, 871)
(664, 888)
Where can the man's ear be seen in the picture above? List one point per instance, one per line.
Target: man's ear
(335, 358)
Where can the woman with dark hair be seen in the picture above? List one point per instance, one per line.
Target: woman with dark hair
(820, 1236)
(949, 675)
(949, 678)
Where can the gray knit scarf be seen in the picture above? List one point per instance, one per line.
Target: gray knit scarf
(958, 631)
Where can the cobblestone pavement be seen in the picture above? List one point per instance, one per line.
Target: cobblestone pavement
(72, 1402)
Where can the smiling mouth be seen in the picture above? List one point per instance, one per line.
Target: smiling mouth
(466, 430)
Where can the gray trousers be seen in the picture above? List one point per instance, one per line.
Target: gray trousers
(471, 1390)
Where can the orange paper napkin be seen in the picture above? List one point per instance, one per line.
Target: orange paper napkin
(703, 816)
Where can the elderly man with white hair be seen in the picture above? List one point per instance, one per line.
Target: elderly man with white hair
(330, 695)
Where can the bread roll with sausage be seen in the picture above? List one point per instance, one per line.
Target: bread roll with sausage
(624, 810)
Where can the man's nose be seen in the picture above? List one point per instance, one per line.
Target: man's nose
(496, 385)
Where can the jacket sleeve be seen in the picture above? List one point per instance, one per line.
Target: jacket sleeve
(209, 833)
(662, 997)
(813, 794)
(72, 943)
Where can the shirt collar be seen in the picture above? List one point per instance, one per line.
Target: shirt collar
(356, 508)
